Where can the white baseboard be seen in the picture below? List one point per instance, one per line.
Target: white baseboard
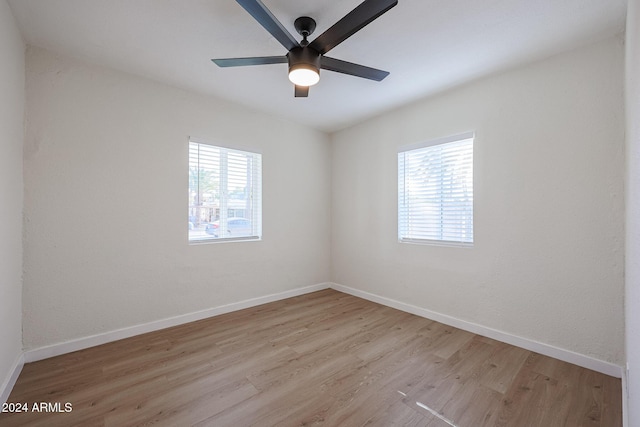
(106, 337)
(10, 381)
(103, 338)
(625, 396)
(528, 344)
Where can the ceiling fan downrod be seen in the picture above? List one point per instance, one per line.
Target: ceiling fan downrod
(305, 26)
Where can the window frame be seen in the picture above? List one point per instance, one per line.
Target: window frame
(255, 192)
(402, 207)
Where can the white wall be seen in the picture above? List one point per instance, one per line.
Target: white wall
(11, 192)
(106, 203)
(632, 264)
(547, 264)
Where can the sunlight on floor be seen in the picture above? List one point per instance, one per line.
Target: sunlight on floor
(423, 406)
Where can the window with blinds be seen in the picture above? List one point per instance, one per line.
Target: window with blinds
(435, 191)
(225, 194)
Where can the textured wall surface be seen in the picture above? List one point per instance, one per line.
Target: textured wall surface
(106, 173)
(11, 190)
(547, 263)
(632, 265)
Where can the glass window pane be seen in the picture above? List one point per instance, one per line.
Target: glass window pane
(435, 192)
(224, 193)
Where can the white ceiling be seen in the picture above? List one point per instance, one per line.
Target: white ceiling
(427, 45)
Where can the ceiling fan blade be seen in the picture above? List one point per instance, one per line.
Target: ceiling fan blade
(265, 18)
(257, 60)
(352, 22)
(301, 91)
(350, 68)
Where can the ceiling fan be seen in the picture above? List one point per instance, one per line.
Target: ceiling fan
(306, 58)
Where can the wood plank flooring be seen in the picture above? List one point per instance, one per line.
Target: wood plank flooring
(325, 358)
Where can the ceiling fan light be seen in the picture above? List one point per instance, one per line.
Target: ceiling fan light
(304, 75)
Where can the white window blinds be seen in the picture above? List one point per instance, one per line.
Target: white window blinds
(225, 193)
(435, 191)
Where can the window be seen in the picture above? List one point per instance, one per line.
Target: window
(225, 194)
(435, 191)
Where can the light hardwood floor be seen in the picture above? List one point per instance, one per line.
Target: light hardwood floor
(325, 358)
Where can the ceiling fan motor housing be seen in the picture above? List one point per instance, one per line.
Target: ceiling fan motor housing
(304, 57)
